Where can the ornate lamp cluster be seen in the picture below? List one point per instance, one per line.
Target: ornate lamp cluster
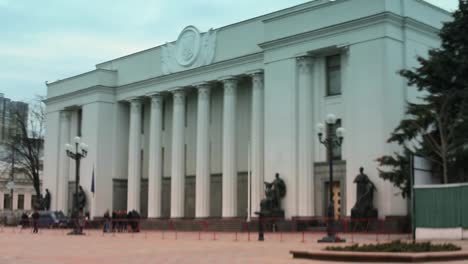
(80, 150)
(77, 153)
(330, 141)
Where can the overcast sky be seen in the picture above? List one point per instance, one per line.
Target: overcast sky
(53, 39)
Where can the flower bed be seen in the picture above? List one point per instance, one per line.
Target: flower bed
(398, 246)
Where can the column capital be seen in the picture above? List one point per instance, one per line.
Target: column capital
(154, 94)
(178, 94)
(203, 89)
(134, 100)
(228, 79)
(257, 79)
(156, 99)
(203, 84)
(304, 63)
(230, 84)
(253, 73)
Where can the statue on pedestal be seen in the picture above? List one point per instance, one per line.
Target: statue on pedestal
(364, 207)
(47, 200)
(81, 196)
(274, 192)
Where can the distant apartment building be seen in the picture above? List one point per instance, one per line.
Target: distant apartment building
(11, 113)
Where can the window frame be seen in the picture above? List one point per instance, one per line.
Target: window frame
(332, 68)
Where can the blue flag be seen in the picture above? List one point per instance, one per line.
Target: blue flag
(92, 183)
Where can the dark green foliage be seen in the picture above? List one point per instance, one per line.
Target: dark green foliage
(398, 246)
(400, 173)
(436, 128)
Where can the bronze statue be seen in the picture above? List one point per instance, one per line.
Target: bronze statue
(47, 199)
(81, 199)
(364, 207)
(274, 192)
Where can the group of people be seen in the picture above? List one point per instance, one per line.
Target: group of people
(121, 221)
(25, 222)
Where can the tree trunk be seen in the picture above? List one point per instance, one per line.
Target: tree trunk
(445, 169)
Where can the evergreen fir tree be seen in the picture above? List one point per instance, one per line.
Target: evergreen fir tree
(437, 127)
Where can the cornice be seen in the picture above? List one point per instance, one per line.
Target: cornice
(421, 27)
(306, 9)
(79, 75)
(350, 25)
(81, 92)
(255, 57)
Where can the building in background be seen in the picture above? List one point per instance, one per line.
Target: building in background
(170, 129)
(10, 111)
(23, 193)
(13, 113)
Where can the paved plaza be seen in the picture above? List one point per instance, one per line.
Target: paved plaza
(54, 246)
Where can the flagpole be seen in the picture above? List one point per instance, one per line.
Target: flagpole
(93, 190)
(249, 184)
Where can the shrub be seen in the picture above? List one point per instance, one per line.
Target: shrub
(398, 246)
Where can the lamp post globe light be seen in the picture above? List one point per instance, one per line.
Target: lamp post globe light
(330, 141)
(77, 152)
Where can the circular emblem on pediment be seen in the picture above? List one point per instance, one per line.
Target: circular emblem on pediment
(188, 46)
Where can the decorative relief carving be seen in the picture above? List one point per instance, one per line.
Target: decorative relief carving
(192, 49)
(304, 64)
(230, 86)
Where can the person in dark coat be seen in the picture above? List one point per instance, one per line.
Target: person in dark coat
(107, 222)
(24, 220)
(114, 219)
(35, 220)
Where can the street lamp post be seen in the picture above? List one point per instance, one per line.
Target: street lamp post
(77, 153)
(330, 141)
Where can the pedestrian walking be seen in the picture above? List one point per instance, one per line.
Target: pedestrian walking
(35, 220)
(107, 222)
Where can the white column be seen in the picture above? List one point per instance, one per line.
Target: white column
(15, 200)
(2, 197)
(229, 148)
(64, 163)
(178, 149)
(155, 158)
(257, 145)
(306, 138)
(134, 156)
(27, 200)
(202, 180)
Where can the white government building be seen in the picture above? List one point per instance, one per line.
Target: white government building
(169, 128)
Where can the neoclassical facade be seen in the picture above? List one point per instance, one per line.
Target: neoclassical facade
(192, 128)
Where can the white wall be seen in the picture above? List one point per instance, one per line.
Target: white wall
(280, 128)
(99, 136)
(51, 156)
(371, 104)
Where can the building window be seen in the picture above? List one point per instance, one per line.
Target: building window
(80, 122)
(142, 118)
(333, 75)
(331, 131)
(163, 159)
(6, 201)
(186, 112)
(163, 115)
(21, 201)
